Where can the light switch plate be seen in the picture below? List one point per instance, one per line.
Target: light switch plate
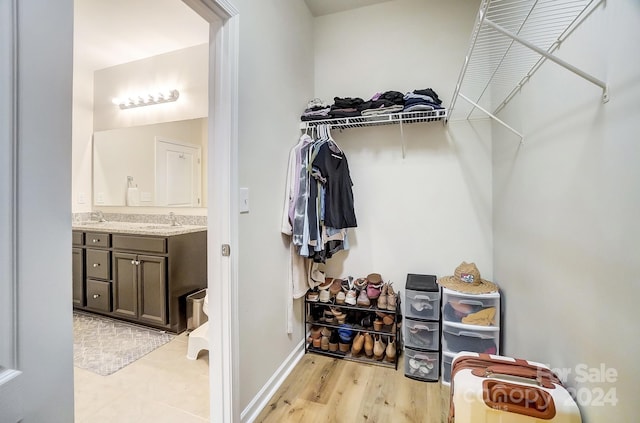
(244, 200)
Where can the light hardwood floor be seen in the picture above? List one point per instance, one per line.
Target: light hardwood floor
(325, 389)
(165, 387)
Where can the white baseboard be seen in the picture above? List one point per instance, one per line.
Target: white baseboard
(253, 409)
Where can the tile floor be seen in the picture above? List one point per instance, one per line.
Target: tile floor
(162, 386)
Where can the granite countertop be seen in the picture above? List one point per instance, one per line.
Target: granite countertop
(158, 229)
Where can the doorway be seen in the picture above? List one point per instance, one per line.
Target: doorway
(221, 17)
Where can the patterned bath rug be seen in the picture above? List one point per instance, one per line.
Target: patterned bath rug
(104, 346)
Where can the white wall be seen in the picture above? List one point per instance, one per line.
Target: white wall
(275, 83)
(566, 209)
(429, 211)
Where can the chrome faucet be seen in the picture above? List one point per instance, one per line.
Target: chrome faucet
(173, 219)
(98, 216)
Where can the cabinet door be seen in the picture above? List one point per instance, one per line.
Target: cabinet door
(125, 286)
(78, 277)
(152, 289)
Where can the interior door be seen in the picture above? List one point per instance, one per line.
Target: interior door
(178, 174)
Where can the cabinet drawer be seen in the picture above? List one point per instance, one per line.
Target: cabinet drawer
(140, 243)
(97, 240)
(98, 264)
(77, 238)
(99, 295)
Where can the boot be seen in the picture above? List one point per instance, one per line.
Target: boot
(358, 343)
(391, 350)
(368, 344)
(378, 348)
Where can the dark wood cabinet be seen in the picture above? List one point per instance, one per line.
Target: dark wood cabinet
(140, 278)
(78, 277)
(140, 287)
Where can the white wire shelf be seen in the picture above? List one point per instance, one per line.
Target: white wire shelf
(511, 39)
(377, 120)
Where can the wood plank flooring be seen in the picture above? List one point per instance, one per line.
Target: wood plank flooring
(325, 389)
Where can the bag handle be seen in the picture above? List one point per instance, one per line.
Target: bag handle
(543, 378)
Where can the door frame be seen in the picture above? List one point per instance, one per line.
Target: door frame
(10, 378)
(222, 190)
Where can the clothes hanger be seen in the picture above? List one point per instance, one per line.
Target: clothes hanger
(331, 140)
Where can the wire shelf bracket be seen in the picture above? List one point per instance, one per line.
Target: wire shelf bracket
(510, 41)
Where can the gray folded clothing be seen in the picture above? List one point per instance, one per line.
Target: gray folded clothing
(418, 108)
(382, 110)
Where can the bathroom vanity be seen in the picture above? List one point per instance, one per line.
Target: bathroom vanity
(138, 272)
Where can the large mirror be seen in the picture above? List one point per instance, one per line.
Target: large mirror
(159, 165)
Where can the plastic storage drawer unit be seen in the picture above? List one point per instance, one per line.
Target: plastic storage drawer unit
(477, 309)
(422, 304)
(447, 359)
(458, 337)
(421, 365)
(419, 334)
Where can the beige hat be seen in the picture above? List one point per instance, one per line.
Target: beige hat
(467, 279)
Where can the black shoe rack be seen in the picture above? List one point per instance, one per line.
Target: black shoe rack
(358, 319)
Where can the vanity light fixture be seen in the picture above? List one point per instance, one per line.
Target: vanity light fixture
(140, 100)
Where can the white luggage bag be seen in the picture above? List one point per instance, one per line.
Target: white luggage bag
(491, 388)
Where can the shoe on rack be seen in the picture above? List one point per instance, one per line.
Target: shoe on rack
(363, 300)
(382, 298)
(340, 297)
(358, 343)
(350, 297)
(368, 344)
(324, 296)
(390, 355)
(313, 296)
(360, 284)
(335, 288)
(374, 285)
(391, 298)
(387, 318)
(377, 324)
(378, 347)
(324, 343)
(333, 341)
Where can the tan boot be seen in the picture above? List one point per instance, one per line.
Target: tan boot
(368, 344)
(358, 343)
(391, 350)
(391, 299)
(378, 348)
(382, 299)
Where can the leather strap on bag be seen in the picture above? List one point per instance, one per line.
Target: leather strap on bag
(544, 378)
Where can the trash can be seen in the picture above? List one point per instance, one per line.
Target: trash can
(195, 313)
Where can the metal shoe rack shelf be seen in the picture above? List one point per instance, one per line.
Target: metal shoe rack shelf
(355, 316)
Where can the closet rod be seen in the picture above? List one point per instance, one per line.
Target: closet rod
(568, 66)
(497, 119)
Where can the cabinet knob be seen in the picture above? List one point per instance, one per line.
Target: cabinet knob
(96, 264)
(137, 262)
(95, 240)
(133, 262)
(96, 296)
